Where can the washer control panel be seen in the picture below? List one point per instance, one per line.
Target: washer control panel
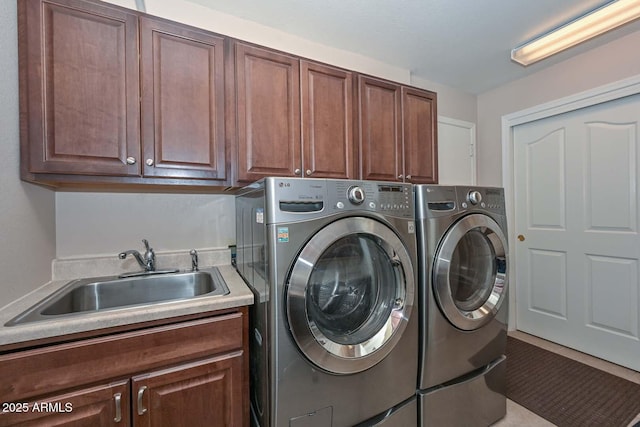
(295, 199)
(390, 198)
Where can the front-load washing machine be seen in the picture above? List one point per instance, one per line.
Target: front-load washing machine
(334, 327)
(463, 272)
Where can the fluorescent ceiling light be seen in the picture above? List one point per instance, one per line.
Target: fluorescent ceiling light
(601, 20)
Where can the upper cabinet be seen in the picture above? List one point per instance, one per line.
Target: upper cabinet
(182, 76)
(98, 108)
(295, 117)
(79, 88)
(110, 97)
(420, 124)
(327, 121)
(380, 130)
(268, 113)
(397, 132)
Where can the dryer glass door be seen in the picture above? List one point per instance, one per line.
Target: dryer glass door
(470, 271)
(350, 295)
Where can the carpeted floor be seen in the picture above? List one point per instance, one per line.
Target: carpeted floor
(566, 392)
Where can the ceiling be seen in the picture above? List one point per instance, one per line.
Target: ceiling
(465, 44)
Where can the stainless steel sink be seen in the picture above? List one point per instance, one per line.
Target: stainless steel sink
(108, 293)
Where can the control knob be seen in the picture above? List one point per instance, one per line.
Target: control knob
(355, 195)
(474, 197)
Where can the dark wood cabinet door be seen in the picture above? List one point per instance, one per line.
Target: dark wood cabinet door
(268, 113)
(79, 88)
(103, 405)
(420, 136)
(206, 393)
(380, 130)
(182, 71)
(327, 121)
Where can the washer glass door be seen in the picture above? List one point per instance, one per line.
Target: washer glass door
(350, 295)
(470, 271)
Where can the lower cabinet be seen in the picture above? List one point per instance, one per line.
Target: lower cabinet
(187, 374)
(204, 393)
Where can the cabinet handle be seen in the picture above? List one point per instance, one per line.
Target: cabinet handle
(308, 172)
(131, 160)
(297, 172)
(400, 176)
(408, 176)
(118, 401)
(521, 237)
(141, 408)
(149, 162)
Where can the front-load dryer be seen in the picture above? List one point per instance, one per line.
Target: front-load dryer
(463, 272)
(334, 327)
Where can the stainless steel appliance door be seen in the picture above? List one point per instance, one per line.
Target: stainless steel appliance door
(350, 295)
(470, 271)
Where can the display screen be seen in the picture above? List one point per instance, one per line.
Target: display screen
(389, 189)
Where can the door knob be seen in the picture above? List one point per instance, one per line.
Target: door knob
(521, 237)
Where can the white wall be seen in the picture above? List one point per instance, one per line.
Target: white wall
(27, 227)
(202, 17)
(606, 64)
(452, 103)
(109, 223)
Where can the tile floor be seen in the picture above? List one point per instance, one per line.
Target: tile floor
(520, 416)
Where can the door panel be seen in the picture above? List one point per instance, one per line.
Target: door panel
(268, 102)
(350, 294)
(208, 392)
(470, 272)
(182, 101)
(83, 97)
(327, 121)
(380, 130)
(456, 152)
(419, 138)
(576, 208)
(101, 405)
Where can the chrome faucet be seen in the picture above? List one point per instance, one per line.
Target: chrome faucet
(146, 261)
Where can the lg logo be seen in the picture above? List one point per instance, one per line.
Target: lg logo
(284, 184)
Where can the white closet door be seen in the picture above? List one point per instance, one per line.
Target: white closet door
(576, 222)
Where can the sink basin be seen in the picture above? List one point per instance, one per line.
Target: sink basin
(108, 293)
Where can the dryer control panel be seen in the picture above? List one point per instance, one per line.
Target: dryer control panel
(444, 200)
(389, 198)
(486, 198)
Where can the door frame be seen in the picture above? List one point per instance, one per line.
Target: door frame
(591, 97)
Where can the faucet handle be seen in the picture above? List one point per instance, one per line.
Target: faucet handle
(194, 259)
(150, 260)
(145, 242)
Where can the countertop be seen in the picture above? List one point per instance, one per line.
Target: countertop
(239, 295)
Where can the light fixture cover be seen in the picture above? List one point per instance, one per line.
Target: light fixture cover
(599, 21)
